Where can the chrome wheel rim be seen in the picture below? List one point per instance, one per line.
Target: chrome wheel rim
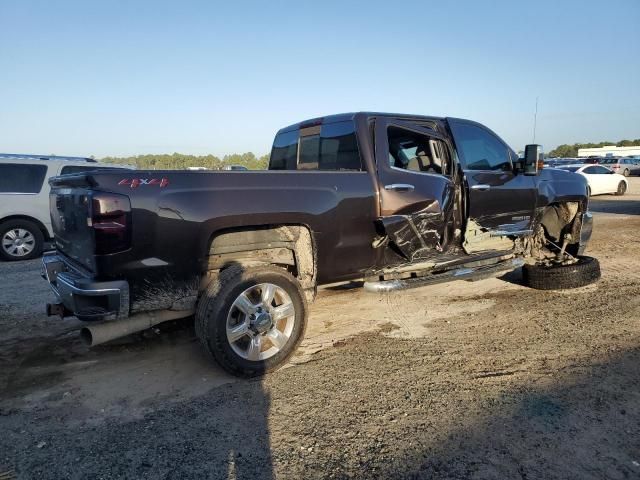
(260, 322)
(18, 242)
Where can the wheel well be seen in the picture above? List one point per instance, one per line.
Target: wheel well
(288, 246)
(38, 223)
(563, 219)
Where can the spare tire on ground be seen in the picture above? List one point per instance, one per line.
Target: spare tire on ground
(555, 277)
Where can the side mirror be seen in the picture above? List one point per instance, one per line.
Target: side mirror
(533, 159)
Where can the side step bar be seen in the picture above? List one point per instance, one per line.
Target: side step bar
(462, 273)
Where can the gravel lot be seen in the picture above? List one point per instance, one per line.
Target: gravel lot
(465, 380)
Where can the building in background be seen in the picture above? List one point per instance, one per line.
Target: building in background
(610, 151)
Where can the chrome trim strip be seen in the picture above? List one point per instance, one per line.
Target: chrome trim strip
(81, 291)
(400, 187)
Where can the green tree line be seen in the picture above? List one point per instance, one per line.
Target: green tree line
(179, 161)
(572, 150)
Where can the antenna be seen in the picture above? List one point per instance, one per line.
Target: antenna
(535, 120)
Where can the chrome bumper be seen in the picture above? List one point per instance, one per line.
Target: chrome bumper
(83, 296)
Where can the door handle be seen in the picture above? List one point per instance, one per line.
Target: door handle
(481, 187)
(400, 187)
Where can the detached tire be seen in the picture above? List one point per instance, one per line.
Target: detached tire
(252, 319)
(557, 277)
(20, 240)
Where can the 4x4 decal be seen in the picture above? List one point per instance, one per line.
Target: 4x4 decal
(135, 182)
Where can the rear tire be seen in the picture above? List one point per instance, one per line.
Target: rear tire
(218, 315)
(622, 188)
(20, 240)
(626, 172)
(558, 277)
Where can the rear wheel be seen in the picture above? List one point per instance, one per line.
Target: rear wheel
(622, 188)
(20, 240)
(251, 320)
(626, 172)
(555, 277)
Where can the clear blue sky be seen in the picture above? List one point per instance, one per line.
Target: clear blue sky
(131, 77)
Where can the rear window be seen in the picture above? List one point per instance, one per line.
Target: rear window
(570, 169)
(21, 178)
(332, 146)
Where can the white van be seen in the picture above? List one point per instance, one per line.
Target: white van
(25, 224)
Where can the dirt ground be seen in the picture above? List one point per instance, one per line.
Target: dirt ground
(483, 379)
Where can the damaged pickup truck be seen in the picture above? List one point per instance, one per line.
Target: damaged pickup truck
(394, 200)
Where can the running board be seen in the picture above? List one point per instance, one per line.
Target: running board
(462, 273)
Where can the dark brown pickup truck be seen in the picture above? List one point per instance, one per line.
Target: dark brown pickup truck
(394, 200)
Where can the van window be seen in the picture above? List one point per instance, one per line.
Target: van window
(21, 177)
(332, 146)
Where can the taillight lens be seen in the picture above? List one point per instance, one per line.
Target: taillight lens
(110, 219)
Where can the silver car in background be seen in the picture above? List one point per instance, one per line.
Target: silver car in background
(623, 166)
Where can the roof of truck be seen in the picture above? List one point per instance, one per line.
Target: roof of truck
(343, 117)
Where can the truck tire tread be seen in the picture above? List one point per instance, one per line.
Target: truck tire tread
(211, 317)
(558, 277)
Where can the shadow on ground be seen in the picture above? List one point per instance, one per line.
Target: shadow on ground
(576, 425)
(583, 427)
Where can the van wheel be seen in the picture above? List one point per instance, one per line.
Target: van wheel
(20, 240)
(556, 277)
(626, 172)
(252, 319)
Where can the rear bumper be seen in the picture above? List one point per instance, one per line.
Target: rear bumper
(81, 295)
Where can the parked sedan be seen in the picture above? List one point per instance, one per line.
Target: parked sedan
(600, 179)
(625, 166)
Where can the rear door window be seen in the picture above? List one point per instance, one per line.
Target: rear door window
(417, 152)
(21, 177)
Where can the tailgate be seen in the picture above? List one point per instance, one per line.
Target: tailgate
(69, 207)
(87, 221)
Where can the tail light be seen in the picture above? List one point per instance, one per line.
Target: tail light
(110, 219)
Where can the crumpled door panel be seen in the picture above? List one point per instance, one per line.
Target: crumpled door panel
(421, 234)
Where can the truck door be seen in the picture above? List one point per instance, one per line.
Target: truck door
(501, 201)
(417, 188)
